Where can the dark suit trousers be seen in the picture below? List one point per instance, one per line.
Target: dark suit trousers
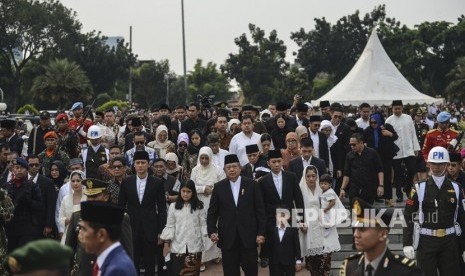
(282, 270)
(403, 175)
(239, 257)
(146, 250)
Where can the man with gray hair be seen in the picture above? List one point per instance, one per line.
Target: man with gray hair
(213, 141)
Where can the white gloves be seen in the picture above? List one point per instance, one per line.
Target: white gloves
(409, 252)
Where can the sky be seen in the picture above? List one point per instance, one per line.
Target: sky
(212, 25)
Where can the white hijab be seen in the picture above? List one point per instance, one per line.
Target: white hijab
(313, 242)
(205, 175)
(332, 137)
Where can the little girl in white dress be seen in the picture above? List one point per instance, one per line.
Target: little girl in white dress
(332, 213)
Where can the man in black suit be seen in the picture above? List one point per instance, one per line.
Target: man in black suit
(298, 164)
(45, 215)
(176, 123)
(285, 257)
(341, 147)
(236, 220)
(279, 188)
(7, 128)
(144, 197)
(255, 161)
(320, 141)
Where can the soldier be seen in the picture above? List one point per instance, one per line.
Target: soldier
(438, 201)
(80, 124)
(421, 129)
(67, 140)
(441, 136)
(42, 257)
(51, 152)
(371, 238)
(96, 154)
(96, 190)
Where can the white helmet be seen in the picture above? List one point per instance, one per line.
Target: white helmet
(94, 132)
(438, 155)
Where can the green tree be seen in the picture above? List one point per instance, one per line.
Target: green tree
(456, 88)
(149, 83)
(63, 83)
(259, 66)
(207, 81)
(29, 28)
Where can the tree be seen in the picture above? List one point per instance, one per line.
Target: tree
(456, 88)
(27, 29)
(259, 65)
(207, 81)
(63, 83)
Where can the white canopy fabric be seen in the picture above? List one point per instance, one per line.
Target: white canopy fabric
(374, 79)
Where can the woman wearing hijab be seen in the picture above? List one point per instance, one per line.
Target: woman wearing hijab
(182, 143)
(292, 149)
(381, 137)
(302, 132)
(58, 174)
(312, 244)
(161, 144)
(327, 129)
(172, 165)
(192, 153)
(205, 174)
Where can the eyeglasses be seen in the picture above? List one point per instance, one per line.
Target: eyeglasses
(11, 162)
(34, 165)
(373, 122)
(117, 167)
(140, 143)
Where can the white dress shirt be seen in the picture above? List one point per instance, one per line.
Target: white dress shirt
(238, 143)
(316, 143)
(34, 179)
(281, 231)
(362, 123)
(141, 183)
(235, 187)
(278, 183)
(306, 163)
(407, 141)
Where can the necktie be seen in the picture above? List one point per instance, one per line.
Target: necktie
(95, 270)
(369, 270)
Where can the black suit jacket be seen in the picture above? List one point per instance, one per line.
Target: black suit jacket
(286, 251)
(291, 195)
(15, 143)
(246, 219)
(46, 212)
(323, 149)
(150, 215)
(296, 166)
(341, 147)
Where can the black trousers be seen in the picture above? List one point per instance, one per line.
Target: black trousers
(282, 270)
(146, 250)
(238, 257)
(18, 241)
(439, 254)
(404, 172)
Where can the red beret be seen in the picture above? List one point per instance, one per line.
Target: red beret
(50, 134)
(61, 116)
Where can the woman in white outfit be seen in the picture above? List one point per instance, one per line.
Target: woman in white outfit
(205, 174)
(312, 243)
(71, 202)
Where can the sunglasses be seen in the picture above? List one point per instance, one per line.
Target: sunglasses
(117, 167)
(182, 145)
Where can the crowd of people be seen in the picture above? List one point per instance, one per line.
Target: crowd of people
(170, 191)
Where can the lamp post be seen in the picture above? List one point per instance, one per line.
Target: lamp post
(130, 69)
(167, 80)
(184, 50)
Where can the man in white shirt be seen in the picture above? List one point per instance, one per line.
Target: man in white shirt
(364, 120)
(213, 142)
(99, 233)
(244, 138)
(408, 149)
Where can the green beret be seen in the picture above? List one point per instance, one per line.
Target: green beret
(38, 255)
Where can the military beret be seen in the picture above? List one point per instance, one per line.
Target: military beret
(44, 114)
(61, 116)
(23, 163)
(50, 134)
(77, 105)
(94, 186)
(443, 117)
(42, 254)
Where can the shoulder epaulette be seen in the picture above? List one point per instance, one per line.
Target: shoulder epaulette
(431, 131)
(354, 256)
(342, 271)
(404, 260)
(453, 130)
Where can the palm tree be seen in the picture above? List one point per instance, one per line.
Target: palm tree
(63, 83)
(456, 88)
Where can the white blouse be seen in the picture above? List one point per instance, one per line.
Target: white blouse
(67, 209)
(186, 230)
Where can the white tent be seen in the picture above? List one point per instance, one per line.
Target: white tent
(374, 79)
